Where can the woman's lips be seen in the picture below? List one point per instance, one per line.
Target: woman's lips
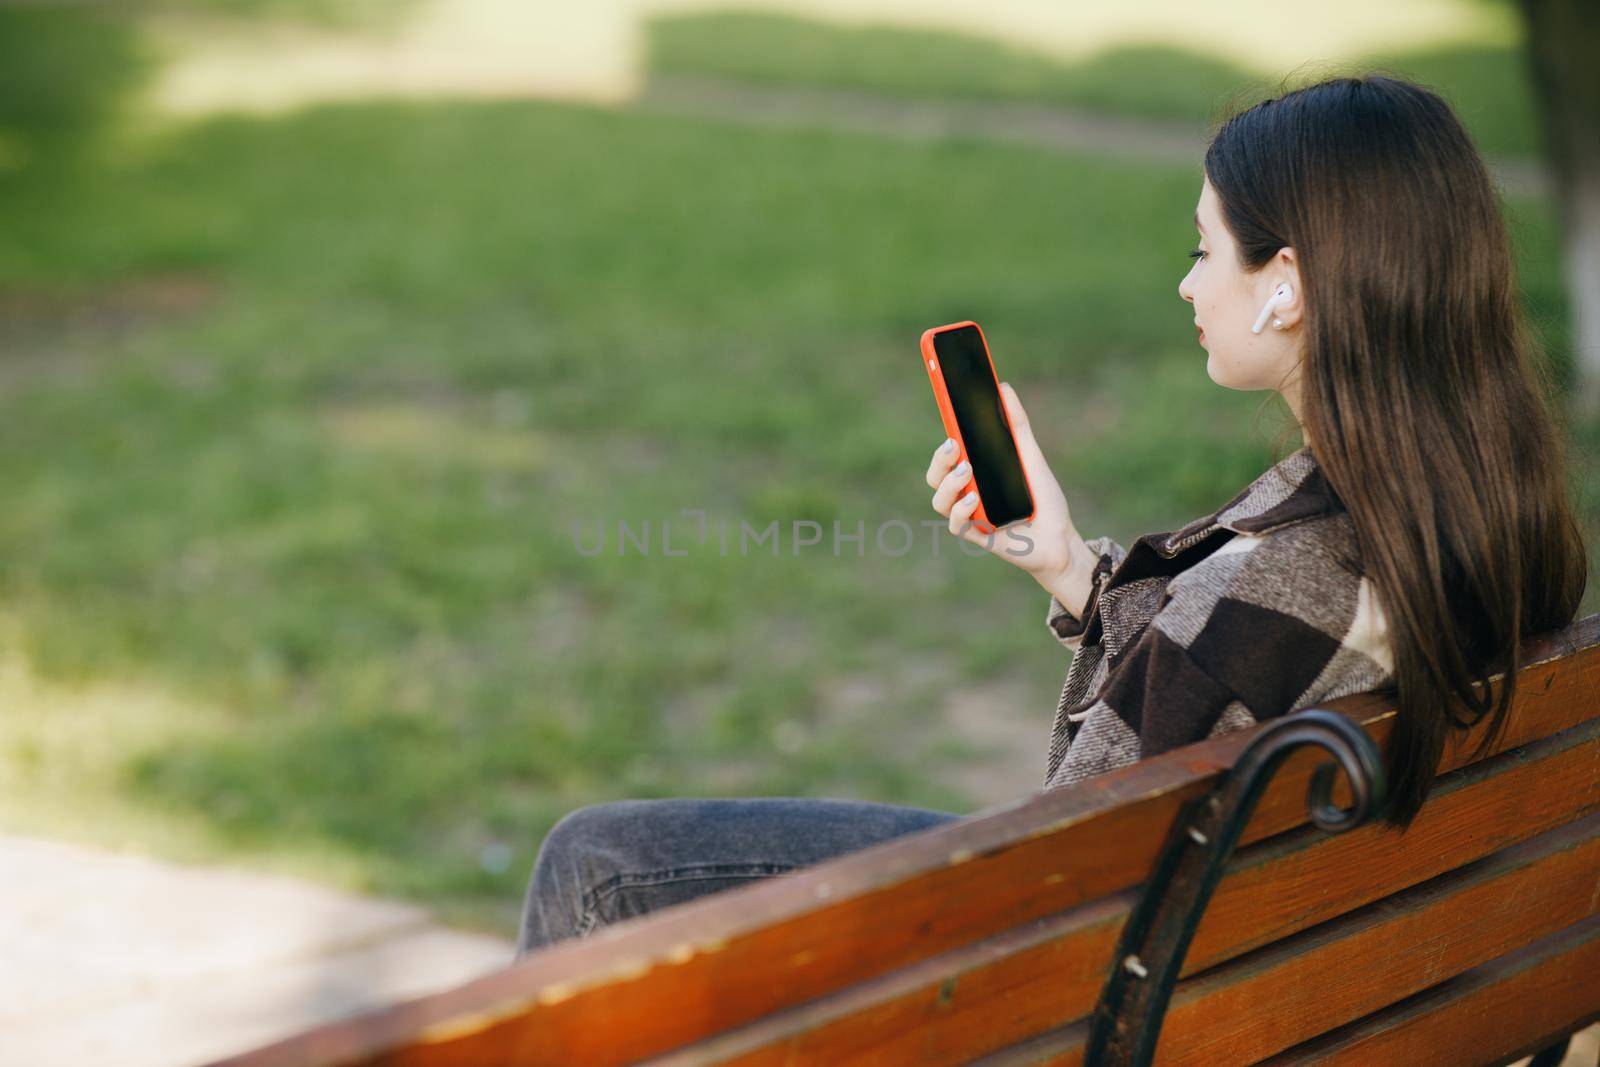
(1202, 333)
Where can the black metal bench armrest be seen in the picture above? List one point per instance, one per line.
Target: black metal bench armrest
(1127, 1019)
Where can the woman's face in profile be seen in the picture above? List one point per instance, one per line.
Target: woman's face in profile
(1226, 302)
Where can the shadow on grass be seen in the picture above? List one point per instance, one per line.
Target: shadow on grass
(68, 73)
(64, 75)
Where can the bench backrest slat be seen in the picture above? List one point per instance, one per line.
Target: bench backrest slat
(1511, 1007)
(956, 1006)
(1324, 978)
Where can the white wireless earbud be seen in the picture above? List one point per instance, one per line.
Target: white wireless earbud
(1281, 295)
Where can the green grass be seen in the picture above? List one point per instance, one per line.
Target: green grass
(1487, 84)
(296, 416)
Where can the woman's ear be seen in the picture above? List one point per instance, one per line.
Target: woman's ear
(1285, 268)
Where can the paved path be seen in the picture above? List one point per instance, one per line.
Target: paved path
(1044, 126)
(114, 959)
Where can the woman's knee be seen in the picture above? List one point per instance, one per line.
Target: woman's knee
(583, 834)
(587, 830)
(575, 856)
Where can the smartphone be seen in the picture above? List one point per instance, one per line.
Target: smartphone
(968, 392)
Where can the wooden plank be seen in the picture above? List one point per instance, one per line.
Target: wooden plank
(1302, 987)
(658, 982)
(1483, 1017)
(1508, 1007)
(954, 1007)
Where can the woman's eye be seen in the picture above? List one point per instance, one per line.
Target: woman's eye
(1195, 253)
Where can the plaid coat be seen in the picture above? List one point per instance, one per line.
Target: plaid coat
(1252, 612)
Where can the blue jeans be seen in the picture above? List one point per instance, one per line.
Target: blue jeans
(611, 861)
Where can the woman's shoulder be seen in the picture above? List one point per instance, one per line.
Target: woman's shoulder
(1300, 581)
(1324, 545)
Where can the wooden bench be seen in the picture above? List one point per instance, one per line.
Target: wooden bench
(1006, 937)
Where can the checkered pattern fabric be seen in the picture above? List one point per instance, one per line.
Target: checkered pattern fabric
(1253, 612)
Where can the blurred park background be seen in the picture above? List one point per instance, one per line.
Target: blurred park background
(322, 322)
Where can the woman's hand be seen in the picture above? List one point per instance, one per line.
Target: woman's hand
(1047, 546)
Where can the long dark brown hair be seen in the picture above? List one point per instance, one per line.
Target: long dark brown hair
(1424, 397)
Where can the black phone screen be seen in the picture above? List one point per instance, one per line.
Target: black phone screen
(975, 398)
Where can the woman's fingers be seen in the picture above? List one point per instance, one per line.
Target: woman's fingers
(944, 457)
(961, 514)
(956, 497)
(951, 486)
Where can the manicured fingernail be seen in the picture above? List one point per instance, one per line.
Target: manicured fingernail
(949, 445)
(963, 468)
(970, 498)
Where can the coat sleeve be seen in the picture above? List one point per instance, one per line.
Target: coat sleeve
(1068, 628)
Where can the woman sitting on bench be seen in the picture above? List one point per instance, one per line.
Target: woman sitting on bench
(1352, 257)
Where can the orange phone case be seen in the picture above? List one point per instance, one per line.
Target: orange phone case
(930, 363)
